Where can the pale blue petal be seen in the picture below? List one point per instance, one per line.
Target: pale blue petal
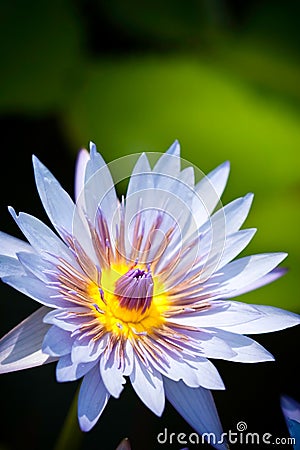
(10, 245)
(86, 349)
(217, 251)
(218, 179)
(147, 383)
(21, 348)
(57, 203)
(128, 358)
(66, 370)
(81, 163)
(92, 399)
(112, 375)
(61, 318)
(95, 162)
(263, 281)
(221, 315)
(244, 271)
(207, 375)
(10, 266)
(269, 319)
(232, 216)
(41, 237)
(197, 407)
(57, 342)
(221, 253)
(235, 244)
(211, 345)
(168, 163)
(36, 289)
(36, 265)
(99, 190)
(141, 177)
(194, 373)
(179, 370)
(246, 349)
(209, 191)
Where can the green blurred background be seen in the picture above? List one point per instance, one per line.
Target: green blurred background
(223, 77)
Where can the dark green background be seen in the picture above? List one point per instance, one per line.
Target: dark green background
(220, 76)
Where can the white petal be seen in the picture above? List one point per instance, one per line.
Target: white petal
(61, 318)
(112, 375)
(209, 191)
(10, 245)
(21, 348)
(35, 289)
(212, 346)
(99, 190)
(92, 399)
(56, 201)
(232, 216)
(10, 266)
(36, 265)
(148, 384)
(221, 253)
(269, 319)
(141, 177)
(207, 375)
(263, 281)
(244, 271)
(245, 349)
(221, 315)
(66, 370)
(82, 160)
(194, 373)
(169, 162)
(40, 236)
(197, 407)
(86, 350)
(57, 342)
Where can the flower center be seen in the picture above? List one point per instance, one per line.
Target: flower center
(129, 302)
(134, 290)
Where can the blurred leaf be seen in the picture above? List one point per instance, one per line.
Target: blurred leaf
(144, 104)
(40, 48)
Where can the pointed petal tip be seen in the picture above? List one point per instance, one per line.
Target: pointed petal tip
(280, 256)
(174, 149)
(82, 152)
(93, 148)
(249, 197)
(36, 161)
(225, 166)
(85, 424)
(12, 212)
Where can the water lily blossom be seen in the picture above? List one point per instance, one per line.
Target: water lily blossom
(139, 289)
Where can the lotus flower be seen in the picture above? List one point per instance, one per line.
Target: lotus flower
(139, 289)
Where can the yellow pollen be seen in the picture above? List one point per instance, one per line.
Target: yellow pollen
(120, 320)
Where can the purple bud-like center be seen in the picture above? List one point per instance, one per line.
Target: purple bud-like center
(134, 290)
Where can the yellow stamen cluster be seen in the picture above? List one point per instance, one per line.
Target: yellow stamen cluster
(120, 320)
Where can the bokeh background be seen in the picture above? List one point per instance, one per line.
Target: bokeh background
(223, 77)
